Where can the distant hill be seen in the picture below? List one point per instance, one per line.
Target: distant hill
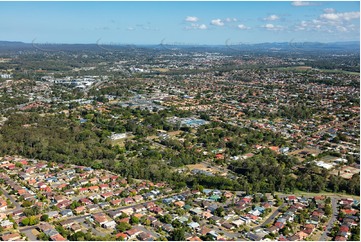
(228, 46)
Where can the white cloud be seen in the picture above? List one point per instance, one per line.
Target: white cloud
(341, 28)
(191, 19)
(217, 22)
(273, 27)
(330, 16)
(196, 26)
(243, 27)
(301, 3)
(350, 15)
(272, 17)
(332, 22)
(202, 26)
(231, 20)
(304, 24)
(130, 28)
(329, 10)
(316, 21)
(269, 26)
(353, 27)
(346, 16)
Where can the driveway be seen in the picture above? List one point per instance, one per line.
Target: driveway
(144, 229)
(28, 232)
(94, 231)
(229, 234)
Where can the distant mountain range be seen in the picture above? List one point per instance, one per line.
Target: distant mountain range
(277, 46)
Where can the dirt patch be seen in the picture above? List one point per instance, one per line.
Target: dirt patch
(205, 167)
(118, 142)
(152, 137)
(175, 133)
(161, 69)
(346, 172)
(303, 68)
(303, 153)
(198, 166)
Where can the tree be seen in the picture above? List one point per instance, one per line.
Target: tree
(207, 237)
(264, 198)
(334, 230)
(134, 220)
(78, 236)
(180, 211)
(328, 210)
(278, 200)
(176, 223)
(75, 204)
(166, 219)
(219, 211)
(355, 237)
(355, 233)
(123, 215)
(178, 234)
(341, 215)
(26, 204)
(195, 218)
(33, 220)
(25, 221)
(145, 221)
(35, 210)
(222, 199)
(256, 199)
(43, 236)
(44, 217)
(65, 233)
(122, 226)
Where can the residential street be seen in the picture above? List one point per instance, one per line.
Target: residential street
(16, 204)
(332, 220)
(271, 218)
(81, 218)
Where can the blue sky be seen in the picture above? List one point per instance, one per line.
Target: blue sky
(179, 22)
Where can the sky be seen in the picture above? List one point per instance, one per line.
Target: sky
(179, 23)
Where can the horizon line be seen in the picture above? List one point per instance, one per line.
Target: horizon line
(175, 43)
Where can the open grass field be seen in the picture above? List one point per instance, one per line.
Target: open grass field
(309, 68)
(160, 69)
(339, 195)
